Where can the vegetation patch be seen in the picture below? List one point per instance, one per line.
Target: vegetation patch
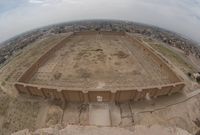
(174, 57)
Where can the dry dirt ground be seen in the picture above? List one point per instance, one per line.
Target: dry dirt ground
(23, 112)
(23, 60)
(183, 64)
(30, 114)
(98, 61)
(92, 130)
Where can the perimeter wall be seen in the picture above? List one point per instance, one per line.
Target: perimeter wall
(80, 95)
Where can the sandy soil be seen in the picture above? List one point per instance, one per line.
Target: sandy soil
(90, 130)
(22, 112)
(14, 69)
(101, 62)
(99, 114)
(181, 63)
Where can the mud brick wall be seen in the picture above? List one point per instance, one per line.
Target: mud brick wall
(61, 93)
(79, 95)
(26, 76)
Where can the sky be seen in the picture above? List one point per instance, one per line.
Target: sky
(181, 16)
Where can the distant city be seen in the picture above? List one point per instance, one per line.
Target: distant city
(13, 45)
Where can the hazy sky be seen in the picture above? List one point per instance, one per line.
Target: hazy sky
(182, 16)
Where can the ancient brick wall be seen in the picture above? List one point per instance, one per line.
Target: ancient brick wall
(121, 95)
(60, 93)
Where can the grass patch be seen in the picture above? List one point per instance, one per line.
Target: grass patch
(174, 58)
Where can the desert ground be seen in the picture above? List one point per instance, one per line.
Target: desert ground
(19, 112)
(98, 60)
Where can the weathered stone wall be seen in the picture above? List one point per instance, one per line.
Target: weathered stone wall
(26, 76)
(151, 53)
(61, 93)
(119, 95)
